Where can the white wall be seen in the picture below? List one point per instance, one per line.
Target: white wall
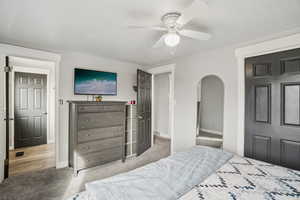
(126, 74)
(161, 99)
(189, 71)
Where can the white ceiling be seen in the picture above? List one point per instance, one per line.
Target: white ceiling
(98, 27)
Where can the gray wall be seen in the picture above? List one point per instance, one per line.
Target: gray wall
(161, 104)
(211, 103)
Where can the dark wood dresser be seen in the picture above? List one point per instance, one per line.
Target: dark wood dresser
(96, 133)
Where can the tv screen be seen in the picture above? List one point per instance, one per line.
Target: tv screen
(91, 82)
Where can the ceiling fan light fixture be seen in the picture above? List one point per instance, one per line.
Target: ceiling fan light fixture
(172, 39)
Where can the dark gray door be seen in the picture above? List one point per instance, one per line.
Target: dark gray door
(272, 109)
(30, 109)
(7, 70)
(144, 81)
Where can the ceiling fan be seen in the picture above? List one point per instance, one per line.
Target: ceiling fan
(173, 23)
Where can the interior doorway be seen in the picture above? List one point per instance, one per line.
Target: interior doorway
(210, 111)
(162, 105)
(31, 143)
(169, 72)
(162, 124)
(34, 61)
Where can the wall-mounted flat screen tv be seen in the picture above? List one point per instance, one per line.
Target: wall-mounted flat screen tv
(91, 82)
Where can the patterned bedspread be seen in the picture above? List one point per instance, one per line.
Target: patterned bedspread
(244, 178)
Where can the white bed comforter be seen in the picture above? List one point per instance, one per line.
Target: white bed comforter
(166, 179)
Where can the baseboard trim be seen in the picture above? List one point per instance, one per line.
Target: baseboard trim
(161, 134)
(211, 131)
(163, 138)
(210, 139)
(60, 165)
(50, 141)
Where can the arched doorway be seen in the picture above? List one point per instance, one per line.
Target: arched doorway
(210, 111)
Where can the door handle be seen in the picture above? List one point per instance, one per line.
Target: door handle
(140, 117)
(45, 113)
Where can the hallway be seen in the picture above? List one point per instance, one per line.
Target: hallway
(34, 158)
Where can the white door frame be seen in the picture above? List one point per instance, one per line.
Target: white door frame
(44, 57)
(50, 112)
(267, 47)
(161, 70)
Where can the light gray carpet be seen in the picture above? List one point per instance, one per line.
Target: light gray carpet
(52, 184)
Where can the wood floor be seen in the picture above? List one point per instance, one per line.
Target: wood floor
(34, 158)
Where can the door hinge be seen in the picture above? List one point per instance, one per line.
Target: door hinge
(7, 69)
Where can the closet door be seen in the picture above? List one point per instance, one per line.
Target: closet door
(272, 109)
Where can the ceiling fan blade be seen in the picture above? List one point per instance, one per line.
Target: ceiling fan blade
(195, 34)
(159, 42)
(157, 28)
(195, 9)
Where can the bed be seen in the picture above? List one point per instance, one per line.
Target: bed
(244, 178)
(196, 174)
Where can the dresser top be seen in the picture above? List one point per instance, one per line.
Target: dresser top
(96, 102)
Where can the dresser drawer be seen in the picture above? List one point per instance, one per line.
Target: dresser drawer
(99, 145)
(99, 133)
(98, 158)
(98, 120)
(101, 108)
